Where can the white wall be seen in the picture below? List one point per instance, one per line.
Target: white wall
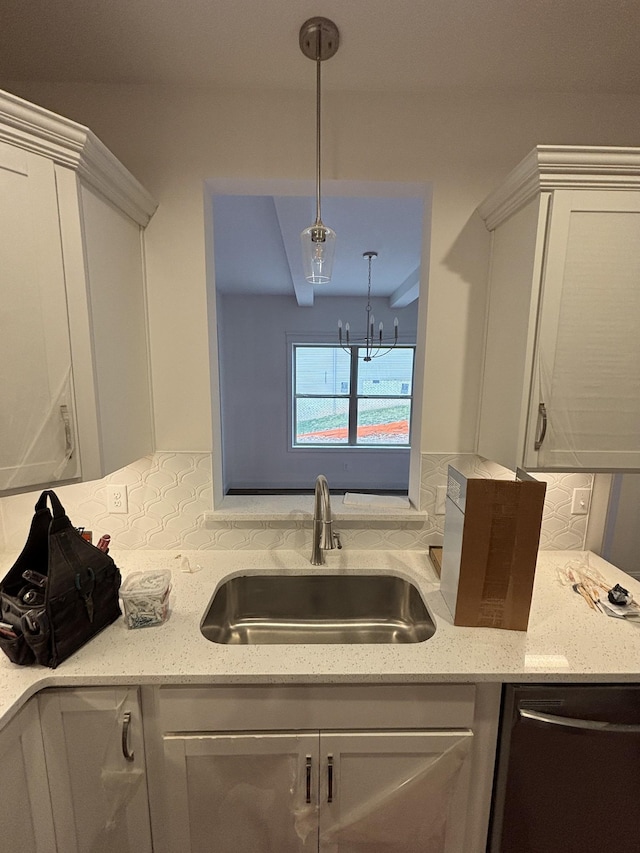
(621, 544)
(254, 333)
(172, 139)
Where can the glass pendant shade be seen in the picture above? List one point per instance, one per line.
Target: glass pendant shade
(318, 248)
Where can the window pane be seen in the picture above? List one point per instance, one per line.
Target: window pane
(322, 421)
(322, 370)
(389, 374)
(383, 422)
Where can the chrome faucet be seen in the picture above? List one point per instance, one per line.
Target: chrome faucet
(324, 539)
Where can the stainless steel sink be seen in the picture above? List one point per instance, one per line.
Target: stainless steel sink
(316, 608)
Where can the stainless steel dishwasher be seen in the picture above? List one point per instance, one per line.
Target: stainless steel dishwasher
(568, 770)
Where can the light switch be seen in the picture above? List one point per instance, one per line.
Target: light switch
(441, 494)
(581, 501)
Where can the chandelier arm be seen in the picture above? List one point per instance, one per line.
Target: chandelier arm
(374, 345)
(371, 351)
(390, 342)
(378, 353)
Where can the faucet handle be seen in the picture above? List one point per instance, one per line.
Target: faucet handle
(336, 541)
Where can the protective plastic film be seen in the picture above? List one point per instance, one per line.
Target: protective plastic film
(589, 350)
(406, 818)
(120, 780)
(99, 798)
(40, 438)
(255, 796)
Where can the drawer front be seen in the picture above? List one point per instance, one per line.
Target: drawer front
(272, 708)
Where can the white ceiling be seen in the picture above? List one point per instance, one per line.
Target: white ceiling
(517, 46)
(257, 245)
(386, 45)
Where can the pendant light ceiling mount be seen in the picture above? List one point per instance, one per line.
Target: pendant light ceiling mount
(319, 40)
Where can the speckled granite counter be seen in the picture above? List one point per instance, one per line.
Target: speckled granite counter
(566, 641)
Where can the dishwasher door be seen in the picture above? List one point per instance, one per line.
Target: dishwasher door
(568, 772)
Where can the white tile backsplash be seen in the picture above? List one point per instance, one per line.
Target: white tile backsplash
(169, 492)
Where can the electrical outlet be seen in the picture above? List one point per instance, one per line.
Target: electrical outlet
(117, 499)
(581, 501)
(441, 494)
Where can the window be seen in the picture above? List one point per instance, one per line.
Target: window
(341, 400)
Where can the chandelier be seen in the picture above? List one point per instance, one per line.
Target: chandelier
(374, 343)
(319, 40)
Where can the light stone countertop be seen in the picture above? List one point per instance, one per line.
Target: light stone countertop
(566, 641)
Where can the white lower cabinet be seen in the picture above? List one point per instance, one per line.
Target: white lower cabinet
(328, 791)
(394, 791)
(95, 760)
(335, 769)
(242, 792)
(26, 821)
(263, 769)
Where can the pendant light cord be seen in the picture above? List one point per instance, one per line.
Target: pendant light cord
(318, 111)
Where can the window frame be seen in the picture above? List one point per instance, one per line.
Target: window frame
(353, 398)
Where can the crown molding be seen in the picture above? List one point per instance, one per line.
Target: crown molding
(69, 144)
(553, 167)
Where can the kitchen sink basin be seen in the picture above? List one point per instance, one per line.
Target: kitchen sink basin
(316, 608)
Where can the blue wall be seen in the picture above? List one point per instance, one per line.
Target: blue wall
(254, 334)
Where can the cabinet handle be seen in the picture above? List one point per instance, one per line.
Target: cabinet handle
(68, 431)
(308, 797)
(329, 778)
(574, 723)
(542, 426)
(126, 724)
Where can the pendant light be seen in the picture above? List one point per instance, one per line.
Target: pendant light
(374, 343)
(319, 40)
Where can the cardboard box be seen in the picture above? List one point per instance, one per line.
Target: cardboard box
(491, 538)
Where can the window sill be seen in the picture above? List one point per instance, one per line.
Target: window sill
(299, 508)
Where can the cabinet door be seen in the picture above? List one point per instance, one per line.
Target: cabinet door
(248, 792)
(26, 822)
(37, 426)
(99, 795)
(400, 792)
(586, 378)
(103, 268)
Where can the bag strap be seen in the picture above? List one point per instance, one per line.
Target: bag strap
(58, 509)
(35, 554)
(59, 520)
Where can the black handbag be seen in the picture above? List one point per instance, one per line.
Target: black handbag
(60, 592)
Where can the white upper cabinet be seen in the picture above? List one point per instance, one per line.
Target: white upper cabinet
(36, 415)
(561, 387)
(74, 377)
